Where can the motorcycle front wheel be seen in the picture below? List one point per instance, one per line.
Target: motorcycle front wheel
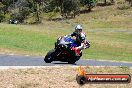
(49, 57)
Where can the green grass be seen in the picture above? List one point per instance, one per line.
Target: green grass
(111, 45)
(110, 35)
(15, 38)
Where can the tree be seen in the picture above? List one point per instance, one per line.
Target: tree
(105, 2)
(6, 4)
(88, 3)
(70, 8)
(2, 17)
(130, 2)
(36, 7)
(113, 1)
(59, 4)
(65, 7)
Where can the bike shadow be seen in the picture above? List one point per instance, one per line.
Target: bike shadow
(63, 63)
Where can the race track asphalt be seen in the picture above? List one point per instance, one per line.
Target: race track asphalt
(19, 60)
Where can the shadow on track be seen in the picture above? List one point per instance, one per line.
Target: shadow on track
(62, 63)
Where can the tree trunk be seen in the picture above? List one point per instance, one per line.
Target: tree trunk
(89, 8)
(61, 7)
(131, 3)
(36, 7)
(37, 13)
(105, 2)
(113, 1)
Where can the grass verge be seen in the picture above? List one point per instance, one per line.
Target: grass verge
(59, 77)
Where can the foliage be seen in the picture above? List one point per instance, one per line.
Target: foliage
(130, 2)
(2, 17)
(22, 9)
(7, 3)
(50, 6)
(88, 3)
(70, 7)
(122, 5)
(21, 14)
(65, 7)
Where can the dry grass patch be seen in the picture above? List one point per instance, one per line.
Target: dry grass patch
(55, 77)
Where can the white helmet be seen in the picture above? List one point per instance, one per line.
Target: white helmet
(78, 27)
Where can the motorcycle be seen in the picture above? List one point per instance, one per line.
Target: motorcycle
(63, 51)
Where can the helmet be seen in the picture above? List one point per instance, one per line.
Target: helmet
(78, 28)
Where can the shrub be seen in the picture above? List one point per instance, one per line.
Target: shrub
(2, 17)
(70, 8)
(88, 3)
(21, 15)
(123, 6)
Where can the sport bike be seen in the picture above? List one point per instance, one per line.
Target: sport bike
(63, 51)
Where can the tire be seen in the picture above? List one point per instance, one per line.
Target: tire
(73, 60)
(49, 57)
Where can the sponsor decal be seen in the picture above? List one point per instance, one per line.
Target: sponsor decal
(82, 77)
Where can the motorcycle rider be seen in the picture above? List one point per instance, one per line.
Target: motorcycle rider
(80, 38)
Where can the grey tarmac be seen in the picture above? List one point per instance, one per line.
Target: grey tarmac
(20, 60)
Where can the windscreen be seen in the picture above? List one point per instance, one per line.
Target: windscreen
(68, 40)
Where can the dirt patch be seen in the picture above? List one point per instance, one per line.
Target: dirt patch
(55, 77)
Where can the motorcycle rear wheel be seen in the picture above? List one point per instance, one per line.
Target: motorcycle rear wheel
(73, 60)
